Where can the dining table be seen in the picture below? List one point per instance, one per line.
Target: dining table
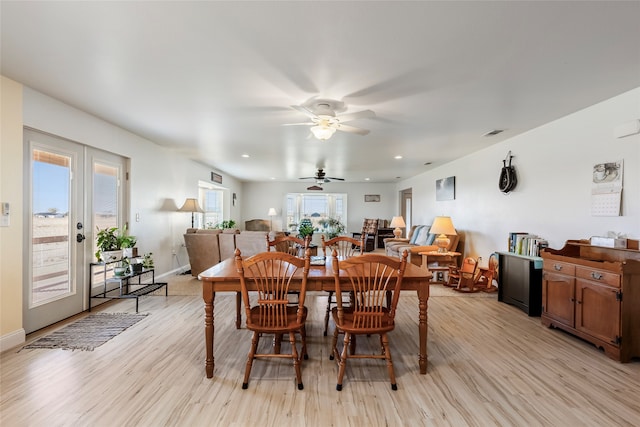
(224, 277)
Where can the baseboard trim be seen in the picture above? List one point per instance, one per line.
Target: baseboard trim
(12, 339)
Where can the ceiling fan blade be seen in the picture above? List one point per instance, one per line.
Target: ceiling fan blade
(336, 179)
(304, 111)
(352, 129)
(365, 114)
(299, 124)
(307, 177)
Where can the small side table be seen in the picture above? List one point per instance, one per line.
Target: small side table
(438, 263)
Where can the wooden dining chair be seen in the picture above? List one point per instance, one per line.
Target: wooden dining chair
(463, 278)
(289, 244)
(265, 279)
(345, 247)
(370, 277)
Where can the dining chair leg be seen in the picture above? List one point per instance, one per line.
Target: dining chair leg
(387, 356)
(238, 310)
(303, 338)
(334, 345)
(326, 316)
(250, 357)
(343, 361)
(296, 359)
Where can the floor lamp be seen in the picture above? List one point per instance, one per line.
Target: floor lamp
(191, 205)
(272, 213)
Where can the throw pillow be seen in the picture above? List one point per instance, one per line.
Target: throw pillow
(421, 239)
(415, 234)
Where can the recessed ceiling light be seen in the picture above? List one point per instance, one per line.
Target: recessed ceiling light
(246, 156)
(367, 179)
(398, 157)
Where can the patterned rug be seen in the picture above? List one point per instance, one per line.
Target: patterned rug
(89, 332)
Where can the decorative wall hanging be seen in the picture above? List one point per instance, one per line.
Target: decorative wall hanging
(606, 189)
(446, 188)
(371, 197)
(508, 179)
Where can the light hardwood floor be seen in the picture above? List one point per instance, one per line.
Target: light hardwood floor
(489, 364)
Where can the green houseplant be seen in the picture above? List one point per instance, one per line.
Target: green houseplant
(110, 242)
(306, 228)
(332, 227)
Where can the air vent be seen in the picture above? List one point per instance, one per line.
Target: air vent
(315, 188)
(493, 132)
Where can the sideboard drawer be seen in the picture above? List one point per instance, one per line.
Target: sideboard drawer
(599, 276)
(560, 267)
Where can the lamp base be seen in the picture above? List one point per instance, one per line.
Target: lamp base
(442, 242)
(397, 232)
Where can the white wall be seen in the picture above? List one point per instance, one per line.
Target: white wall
(554, 165)
(259, 197)
(160, 180)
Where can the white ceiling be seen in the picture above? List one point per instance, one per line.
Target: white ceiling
(215, 80)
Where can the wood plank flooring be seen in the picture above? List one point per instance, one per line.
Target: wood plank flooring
(489, 365)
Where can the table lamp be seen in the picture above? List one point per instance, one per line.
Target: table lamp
(442, 226)
(272, 213)
(191, 205)
(397, 222)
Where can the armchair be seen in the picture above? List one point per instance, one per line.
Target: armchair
(368, 233)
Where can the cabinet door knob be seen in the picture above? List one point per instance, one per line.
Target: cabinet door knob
(596, 276)
(557, 267)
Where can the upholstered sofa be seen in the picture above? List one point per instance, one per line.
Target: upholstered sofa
(418, 240)
(206, 248)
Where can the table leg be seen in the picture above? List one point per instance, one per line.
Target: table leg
(423, 297)
(209, 297)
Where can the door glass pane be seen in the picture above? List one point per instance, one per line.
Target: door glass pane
(212, 203)
(105, 197)
(51, 228)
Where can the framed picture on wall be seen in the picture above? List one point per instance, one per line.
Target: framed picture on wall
(371, 197)
(446, 188)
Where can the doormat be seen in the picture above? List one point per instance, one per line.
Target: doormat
(89, 332)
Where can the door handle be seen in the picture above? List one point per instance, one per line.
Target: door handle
(80, 237)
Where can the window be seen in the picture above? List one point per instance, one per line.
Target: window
(316, 207)
(211, 199)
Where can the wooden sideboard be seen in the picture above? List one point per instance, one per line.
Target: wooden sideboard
(593, 292)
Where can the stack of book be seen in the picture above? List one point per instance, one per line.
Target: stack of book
(522, 243)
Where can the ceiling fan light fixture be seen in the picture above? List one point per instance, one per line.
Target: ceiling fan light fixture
(323, 132)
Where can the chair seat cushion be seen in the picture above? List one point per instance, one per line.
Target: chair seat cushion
(256, 317)
(349, 317)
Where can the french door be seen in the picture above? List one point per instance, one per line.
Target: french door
(71, 190)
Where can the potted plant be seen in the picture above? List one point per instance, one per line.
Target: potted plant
(121, 268)
(226, 224)
(305, 229)
(147, 261)
(127, 243)
(332, 227)
(108, 245)
(111, 242)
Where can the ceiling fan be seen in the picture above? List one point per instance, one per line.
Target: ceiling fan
(324, 121)
(321, 177)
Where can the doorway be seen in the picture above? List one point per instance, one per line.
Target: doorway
(71, 189)
(405, 207)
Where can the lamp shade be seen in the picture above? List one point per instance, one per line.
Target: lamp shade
(272, 212)
(397, 222)
(191, 205)
(442, 225)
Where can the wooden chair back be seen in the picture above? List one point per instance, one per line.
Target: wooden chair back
(268, 275)
(371, 276)
(344, 246)
(289, 244)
